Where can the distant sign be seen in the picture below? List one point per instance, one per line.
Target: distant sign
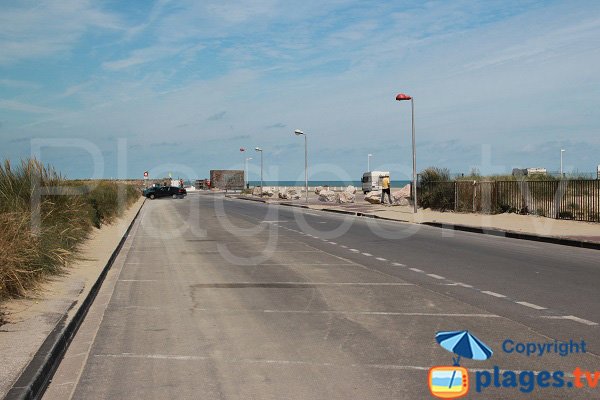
(227, 179)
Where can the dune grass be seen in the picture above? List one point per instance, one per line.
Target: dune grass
(44, 218)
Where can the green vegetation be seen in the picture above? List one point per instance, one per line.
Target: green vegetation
(44, 218)
(538, 194)
(437, 190)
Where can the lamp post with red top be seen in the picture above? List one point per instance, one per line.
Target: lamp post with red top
(402, 97)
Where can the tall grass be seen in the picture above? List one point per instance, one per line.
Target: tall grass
(44, 218)
(436, 189)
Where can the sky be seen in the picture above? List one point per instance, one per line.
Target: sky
(114, 88)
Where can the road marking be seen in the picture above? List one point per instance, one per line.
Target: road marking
(493, 294)
(226, 285)
(344, 246)
(416, 270)
(367, 254)
(464, 285)
(572, 318)
(408, 314)
(332, 243)
(436, 276)
(354, 250)
(398, 264)
(531, 305)
(230, 360)
(299, 264)
(342, 312)
(381, 259)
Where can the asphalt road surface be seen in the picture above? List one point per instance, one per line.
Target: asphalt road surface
(215, 298)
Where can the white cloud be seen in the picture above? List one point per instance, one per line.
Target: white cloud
(35, 29)
(510, 79)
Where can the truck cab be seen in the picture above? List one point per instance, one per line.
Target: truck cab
(372, 180)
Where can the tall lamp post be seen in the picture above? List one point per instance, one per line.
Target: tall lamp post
(246, 165)
(298, 132)
(369, 162)
(402, 97)
(261, 169)
(561, 162)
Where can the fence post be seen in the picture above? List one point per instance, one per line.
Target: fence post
(474, 195)
(455, 195)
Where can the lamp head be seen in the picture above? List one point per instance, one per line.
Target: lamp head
(402, 96)
(298, 132)
(257, 149)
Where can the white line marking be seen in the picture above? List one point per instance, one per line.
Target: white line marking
(383, 313)
(493, 294)
(531, 305)
(573, 318)
(288, 362)
(342, 312)
(345, 247)
(354, 250)
(367, 254)
(398, 264)
(332, 243)
(381, 259)
(416, 269)
(436, 276)
(463, 285)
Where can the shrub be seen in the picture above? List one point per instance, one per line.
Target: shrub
(565, 215)
(436, 191)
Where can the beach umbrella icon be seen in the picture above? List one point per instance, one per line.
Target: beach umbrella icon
(463, 344)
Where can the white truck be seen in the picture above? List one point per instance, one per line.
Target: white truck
(372, 180)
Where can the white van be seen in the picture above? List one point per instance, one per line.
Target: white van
(372, 180)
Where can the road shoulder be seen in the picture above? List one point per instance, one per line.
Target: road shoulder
(37, 324)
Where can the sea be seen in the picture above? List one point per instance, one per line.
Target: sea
(358, 184)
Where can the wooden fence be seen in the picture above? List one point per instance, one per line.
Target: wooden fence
(564, 199)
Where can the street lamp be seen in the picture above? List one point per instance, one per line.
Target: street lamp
(402, 97)
(369, 162)
(298, 132)
(561, 173)
(261, 169)
(246, 165)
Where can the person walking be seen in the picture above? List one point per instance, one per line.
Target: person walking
(385, 188)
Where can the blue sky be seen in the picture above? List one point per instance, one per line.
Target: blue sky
(180, 86)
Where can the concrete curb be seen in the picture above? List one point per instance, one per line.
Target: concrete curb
(465, 228)
(517, 235)
(246, 198)
(37, 375)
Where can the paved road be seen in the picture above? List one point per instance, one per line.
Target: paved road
(215, 298)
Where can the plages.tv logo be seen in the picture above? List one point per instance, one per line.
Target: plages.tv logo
(451, 382)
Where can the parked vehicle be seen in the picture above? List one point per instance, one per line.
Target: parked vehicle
(165, 191)
(372, 180)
